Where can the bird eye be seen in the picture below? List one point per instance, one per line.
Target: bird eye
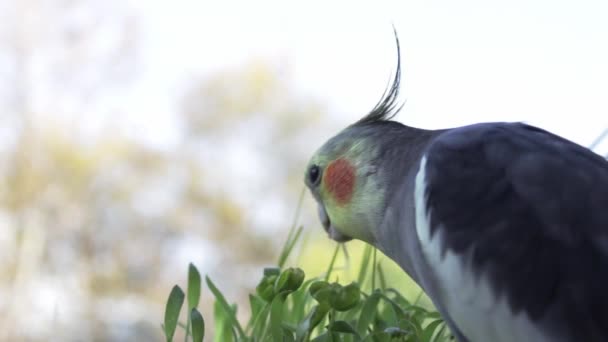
(314, 173)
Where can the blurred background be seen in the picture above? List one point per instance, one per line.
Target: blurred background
(139, 136)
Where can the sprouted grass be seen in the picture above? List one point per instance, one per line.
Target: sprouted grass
(288, 306)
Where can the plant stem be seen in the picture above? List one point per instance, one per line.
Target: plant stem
(374, 265)
(331, 264)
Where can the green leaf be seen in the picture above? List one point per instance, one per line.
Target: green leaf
(399, 298)
(296, 278)
(368, 312)
(281, 283)
(342, 327)
(260, 321)
(381, 276)
(194, 293)
(265, 289)
(228, 311)
(288, 335)
(224, 331)
(374, 269)
(198, 325)
(268, 293)
(327, 294)
(429, 330)
(289, 280)
(346, 297)
(325, 337)
(194, 286)
(294, 234)
(398, 310)
(420, 293)
(364, 264)
(330, 268)
(289, 245)
(318, 314)
(314, 317)
(256, 304)
(441, 335)
(381, 337)
(276, 318)
(316, 286)
(433, 314)
(174, 306)
(299, 300)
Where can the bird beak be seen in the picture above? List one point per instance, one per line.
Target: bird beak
(333, 233)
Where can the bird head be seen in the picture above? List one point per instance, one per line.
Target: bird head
(341, 177)
(345, 175)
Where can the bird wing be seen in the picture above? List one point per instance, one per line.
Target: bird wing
(530, 209)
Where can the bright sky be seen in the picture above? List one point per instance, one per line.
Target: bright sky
(544, 62)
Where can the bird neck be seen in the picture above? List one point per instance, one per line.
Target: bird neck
(396, 233)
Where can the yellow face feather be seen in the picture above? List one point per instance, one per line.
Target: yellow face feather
(350, 190)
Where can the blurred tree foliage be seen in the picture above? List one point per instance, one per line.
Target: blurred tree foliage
(94, 231)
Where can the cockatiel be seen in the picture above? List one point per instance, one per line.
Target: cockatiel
(504, 225)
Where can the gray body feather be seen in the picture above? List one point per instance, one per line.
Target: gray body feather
(522, 210)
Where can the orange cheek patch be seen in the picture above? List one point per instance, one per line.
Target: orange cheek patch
(339, 180)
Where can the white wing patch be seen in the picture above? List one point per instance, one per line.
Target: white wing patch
(471, 303)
